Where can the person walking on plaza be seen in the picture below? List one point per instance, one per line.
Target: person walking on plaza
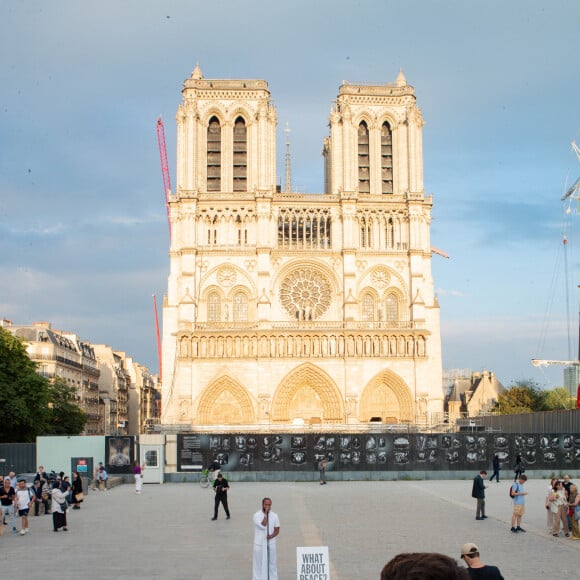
(58, 508)
(7, 495)
(518, 494)
(24, 499)
(322, 469)
(478, 492)
(518, 467)
(476, 568)
(496, 467)
(138, 472)
(266, 528)
(220, 487)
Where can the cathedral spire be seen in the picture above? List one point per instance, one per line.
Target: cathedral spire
(288, 184)
(197, 74)
(401, 80)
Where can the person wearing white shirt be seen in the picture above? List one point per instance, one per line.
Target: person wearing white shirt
(266, 528)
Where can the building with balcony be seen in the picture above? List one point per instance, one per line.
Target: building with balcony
(144, 399)
(114, 385)
(65, 355)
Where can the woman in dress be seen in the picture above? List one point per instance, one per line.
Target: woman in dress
(77, 491)
(559, 507)
(58, 508)
(138, 472)
(550, 513)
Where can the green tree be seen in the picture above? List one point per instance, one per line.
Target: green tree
(558, 399)
(24, 394)
(521, 397)
(65, 416)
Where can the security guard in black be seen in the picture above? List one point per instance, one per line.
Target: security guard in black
(220, 487)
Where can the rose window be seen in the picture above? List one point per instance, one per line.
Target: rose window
(305, 294)
(380, 277)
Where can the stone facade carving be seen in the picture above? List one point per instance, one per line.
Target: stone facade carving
(301, 308)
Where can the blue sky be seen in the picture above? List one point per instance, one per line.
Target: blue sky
(83, 231)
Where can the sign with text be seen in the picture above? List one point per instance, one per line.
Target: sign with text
(312, 563)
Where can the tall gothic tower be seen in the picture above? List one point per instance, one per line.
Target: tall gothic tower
(286, 308)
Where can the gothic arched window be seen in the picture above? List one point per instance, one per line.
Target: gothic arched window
(240, 307)
(214, 306)
(390, 234)
(240, 155)
(392, 308)
(366, 232)
(363, 159)
(214, 155)
(386, 158)
(369, 308)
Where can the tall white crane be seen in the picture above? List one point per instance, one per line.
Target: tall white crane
(572, 196)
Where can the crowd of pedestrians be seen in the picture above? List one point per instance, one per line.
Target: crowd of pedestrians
(50, 494)
(56, 494)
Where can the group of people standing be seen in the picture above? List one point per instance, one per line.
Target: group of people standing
(562, 503)
(54, 494)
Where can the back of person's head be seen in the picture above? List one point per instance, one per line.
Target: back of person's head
(423, 566)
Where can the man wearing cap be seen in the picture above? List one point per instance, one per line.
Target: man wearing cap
(478, 492)
(475, 567)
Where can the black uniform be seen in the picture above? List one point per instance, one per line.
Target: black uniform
(220, 487)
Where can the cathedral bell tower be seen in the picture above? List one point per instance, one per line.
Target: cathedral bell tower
(293, 309)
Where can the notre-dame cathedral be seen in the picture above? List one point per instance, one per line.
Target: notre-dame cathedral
(286, 308)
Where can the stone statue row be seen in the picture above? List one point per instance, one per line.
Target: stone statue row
(299, 346)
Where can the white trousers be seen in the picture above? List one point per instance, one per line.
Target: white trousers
(138, 482)
(260, 571)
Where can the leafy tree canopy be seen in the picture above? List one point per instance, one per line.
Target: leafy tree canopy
(65, 416)
(558, 399)
(24, 394)
(527, 397)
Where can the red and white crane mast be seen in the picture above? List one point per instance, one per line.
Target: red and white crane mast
(164, 168)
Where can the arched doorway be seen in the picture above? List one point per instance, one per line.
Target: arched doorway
(386, 396)
(307, 393)
(225, 402)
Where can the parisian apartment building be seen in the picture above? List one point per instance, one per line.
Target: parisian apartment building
(119, 395)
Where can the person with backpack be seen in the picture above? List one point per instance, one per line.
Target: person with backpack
(518, 493)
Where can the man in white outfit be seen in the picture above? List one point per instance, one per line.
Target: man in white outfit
(266, 528)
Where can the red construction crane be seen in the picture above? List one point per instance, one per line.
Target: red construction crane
(164, 168)
(159, 355)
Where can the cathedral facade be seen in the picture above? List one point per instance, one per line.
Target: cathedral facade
(289, 309)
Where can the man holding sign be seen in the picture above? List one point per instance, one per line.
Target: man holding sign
(266, 528)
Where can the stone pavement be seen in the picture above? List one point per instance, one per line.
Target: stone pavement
(167, 533)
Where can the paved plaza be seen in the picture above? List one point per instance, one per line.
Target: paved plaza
(167, 532)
